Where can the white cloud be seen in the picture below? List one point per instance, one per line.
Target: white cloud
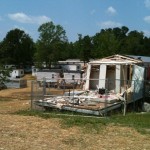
(20, 17)
(93, 12)
(146, 33)
(147, 19)
(111, 10)
(109, 24)
(23, 18)
(147, 3)
(41, 19)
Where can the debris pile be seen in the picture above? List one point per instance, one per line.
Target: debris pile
(82, 101)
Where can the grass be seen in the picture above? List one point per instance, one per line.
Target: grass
(5, 99)
(141, 122)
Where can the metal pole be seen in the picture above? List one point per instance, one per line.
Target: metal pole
(44, 86)
(134, 97)
(125, 106)
(32, 95)
(106, 96)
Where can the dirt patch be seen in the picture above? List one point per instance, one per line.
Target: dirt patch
(12, 100)
(34, 133)
(14, 91)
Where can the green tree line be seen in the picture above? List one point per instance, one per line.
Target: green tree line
(52, 45)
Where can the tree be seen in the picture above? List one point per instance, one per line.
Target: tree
(4, 74)
(134, 43)
(105, 43)
(121, 35)
(84, 44)
(146, 49)
(51, 43)
(17, 48)
(71, 51)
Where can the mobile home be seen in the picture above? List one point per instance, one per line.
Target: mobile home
(17, 73)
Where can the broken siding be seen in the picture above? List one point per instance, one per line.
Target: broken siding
(138, 82)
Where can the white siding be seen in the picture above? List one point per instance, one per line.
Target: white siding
(53, 76)
(102, 76)
(88, 77)
(17, 73)
(68, 77)
(72, 67)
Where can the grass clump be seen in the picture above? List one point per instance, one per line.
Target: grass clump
(5, 99)
(141, 122)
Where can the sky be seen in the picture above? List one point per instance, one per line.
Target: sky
(86, 17)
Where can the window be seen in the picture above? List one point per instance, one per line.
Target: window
(78, 67)
(72, 77)
(52, 75)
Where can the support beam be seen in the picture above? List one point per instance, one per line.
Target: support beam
(88, 77)
(118, 75)
(102, 76)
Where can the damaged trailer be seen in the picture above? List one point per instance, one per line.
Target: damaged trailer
(117, 74)
(110, 83)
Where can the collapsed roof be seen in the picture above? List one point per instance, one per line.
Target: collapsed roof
(117, 59)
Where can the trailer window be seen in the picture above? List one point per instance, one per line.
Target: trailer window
(52, 75)
(72, 77)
